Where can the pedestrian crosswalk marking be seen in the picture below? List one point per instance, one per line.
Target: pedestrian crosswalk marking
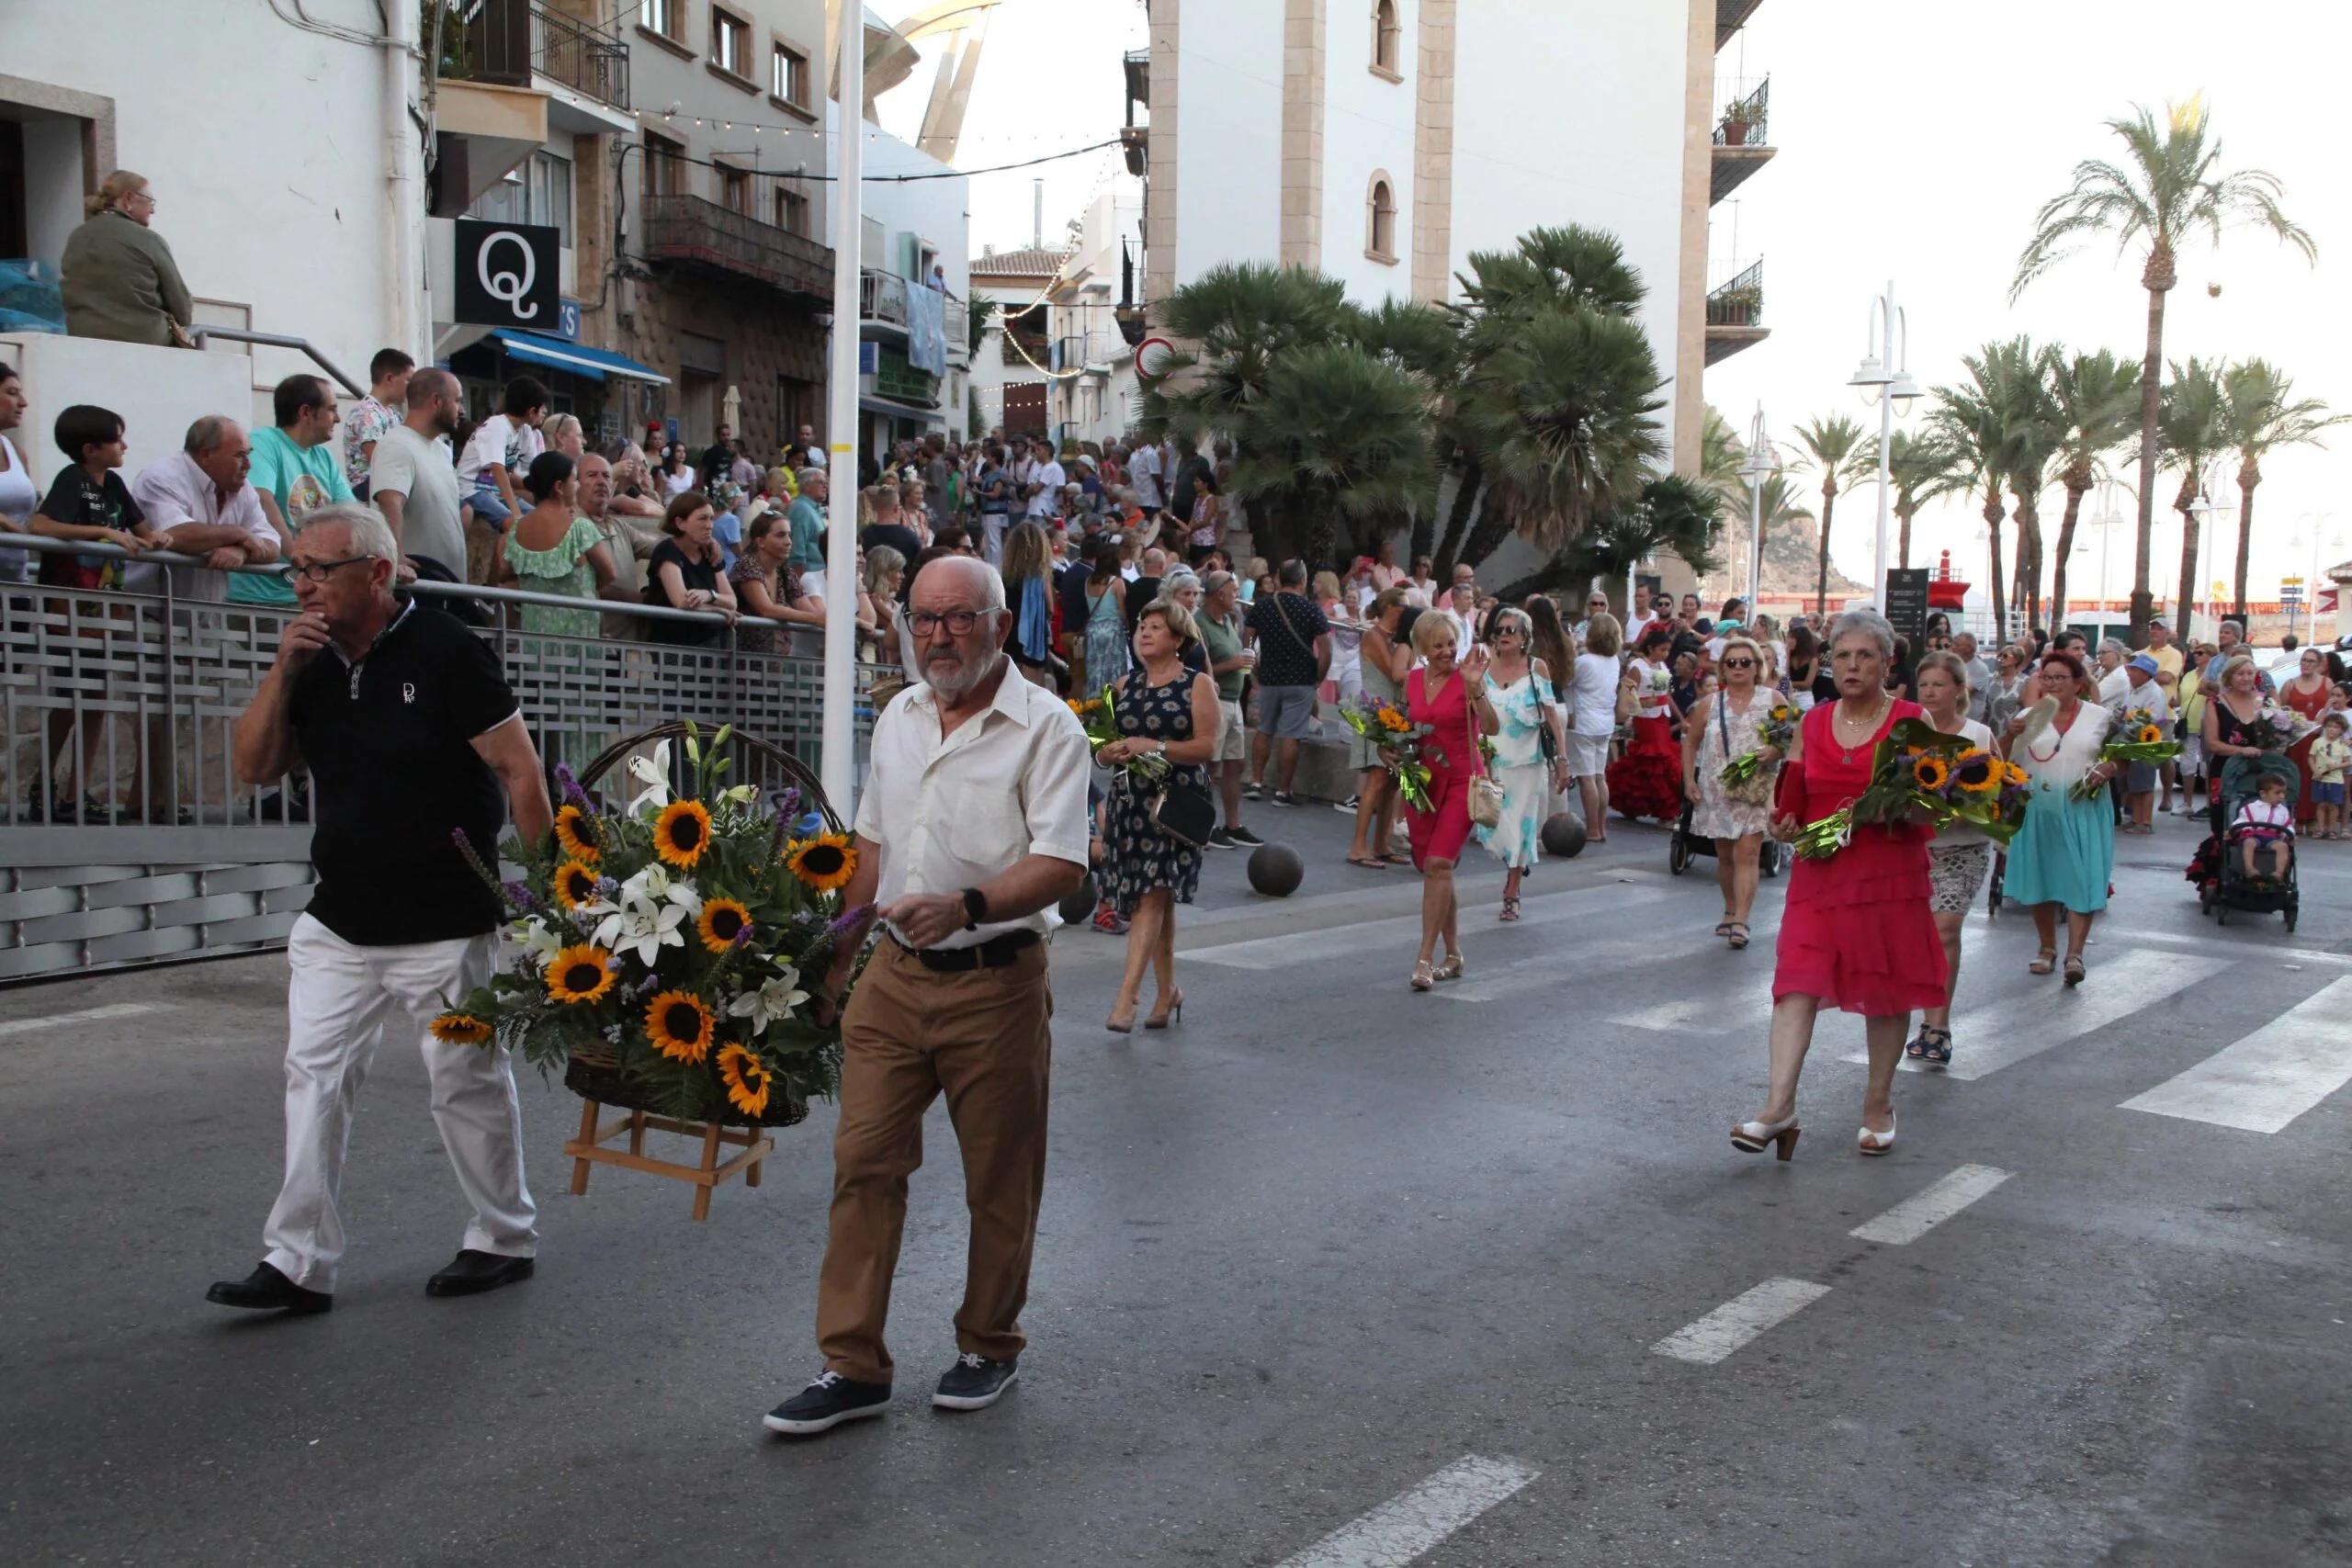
(1416, 1521)
(1739, 1320)
(1402, 933)
(1924, 1211)
(87, 1015)
(2263, 1081)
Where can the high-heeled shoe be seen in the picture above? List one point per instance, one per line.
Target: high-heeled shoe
(1423, 976)
(1871, 1143)
(1451, 969)
(1117, 1025)
(1755, 1137)
(1172, 1014)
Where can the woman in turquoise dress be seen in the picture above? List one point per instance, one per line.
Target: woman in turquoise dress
(552, 550)
(1106, 620)
(1519, 687)
(2063, 857)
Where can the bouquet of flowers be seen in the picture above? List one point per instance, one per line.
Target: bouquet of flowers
(2138, 738)
(672, 939)
(1401, 742)
(1918, 771)
(2276, 728)
(1778, 728)
(1099, 715)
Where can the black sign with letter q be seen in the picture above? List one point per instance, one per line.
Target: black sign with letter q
(507, 275)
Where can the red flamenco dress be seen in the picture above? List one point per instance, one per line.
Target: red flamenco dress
(1856, 933)
(1450, 752)
(1647, 780)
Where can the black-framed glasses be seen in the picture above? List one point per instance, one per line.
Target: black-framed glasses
(320, 571)
(958, 623)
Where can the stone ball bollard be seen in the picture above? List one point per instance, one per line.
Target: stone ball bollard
(1562, 836)
(1275, 870)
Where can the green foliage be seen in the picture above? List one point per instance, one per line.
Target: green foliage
(1335, 433)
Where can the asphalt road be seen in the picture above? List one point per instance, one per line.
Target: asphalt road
(1332, 1275)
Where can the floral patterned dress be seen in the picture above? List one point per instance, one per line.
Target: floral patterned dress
(1730, 734)
(563, 569)
(1524, 707)
(1141, 857)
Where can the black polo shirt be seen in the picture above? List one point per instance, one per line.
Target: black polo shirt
(390, 744)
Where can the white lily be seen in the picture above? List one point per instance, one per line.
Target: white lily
(773, 1002)
(648, 913)
(654, 773)
(740, 795)
(536, 941)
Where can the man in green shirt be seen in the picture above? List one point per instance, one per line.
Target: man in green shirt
(295, 472)
(1229, 661)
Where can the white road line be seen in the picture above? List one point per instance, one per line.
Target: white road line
(2264, 1081)
(1412, 1522)
(87, 1015)
(2043, 1014)
(1924, 1211)
(1400, 932)
(1739, 1320)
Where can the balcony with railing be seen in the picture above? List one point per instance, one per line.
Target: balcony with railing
(1736, 314)
(507, 42)
(1743, 134)
(882, 298)
(693, 231)
(959, 332)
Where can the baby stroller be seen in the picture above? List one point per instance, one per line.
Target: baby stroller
(1687, 846)
(2225, 886)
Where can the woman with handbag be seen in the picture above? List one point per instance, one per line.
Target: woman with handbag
(1723, 726)
(1159, 825)
(1527, 748)
(1451, 701)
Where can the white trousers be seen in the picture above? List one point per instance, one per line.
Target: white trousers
(336, 1005)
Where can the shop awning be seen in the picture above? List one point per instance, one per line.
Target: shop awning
(873, 404)
(594, 364)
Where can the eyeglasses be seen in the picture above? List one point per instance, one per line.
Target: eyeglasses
(319, 571)
(1739, 664)
(958, 623)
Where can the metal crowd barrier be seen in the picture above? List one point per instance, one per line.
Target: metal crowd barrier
(125, 837)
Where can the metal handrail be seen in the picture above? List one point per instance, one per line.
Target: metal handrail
(200, 336)
(1754, 107)
(1738, 300)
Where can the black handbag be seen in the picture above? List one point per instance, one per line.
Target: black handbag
(1186, 813)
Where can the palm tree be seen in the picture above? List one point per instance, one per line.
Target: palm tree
(2097, 397)
(2021, 374)
(2168, 188)
(1970, 418)
(2196, 431)
(1670, 514)
(1836, 449)
(1334, 434)
(1922, 468)
(2264, 414)
(1720, 452)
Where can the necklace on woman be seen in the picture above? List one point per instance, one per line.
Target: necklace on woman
(1877, 713)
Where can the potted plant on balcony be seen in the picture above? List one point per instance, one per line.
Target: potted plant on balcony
(1737, 120)
(1737, 307)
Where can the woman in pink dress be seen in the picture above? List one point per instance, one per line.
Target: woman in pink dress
(1435, 696)
(1857, 933)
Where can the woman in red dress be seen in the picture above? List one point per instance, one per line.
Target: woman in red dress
(2306, 693)
(1435, 696)
(1857, 933)
(1647, 780)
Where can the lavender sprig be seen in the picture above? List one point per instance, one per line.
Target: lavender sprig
(473, 858)
(567, 785)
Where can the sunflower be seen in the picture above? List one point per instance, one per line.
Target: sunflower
(1978, 772)
(747, 1078)
(573, 834)
(460, 1029)
(2149, 735)
(1392, 721)
(2012, 775)
(825, 863)
(575, 883)
(721, 919)
(679, 1025)
(682, 833)
(1929, 773)
(582, 974)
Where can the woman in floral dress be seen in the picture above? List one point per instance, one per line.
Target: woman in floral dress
(1519, 687)
(1725, 724)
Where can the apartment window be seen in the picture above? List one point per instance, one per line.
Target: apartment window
(665, 165)
(1387, 41)
(735, 190)
(663, 16)
(1381, 243)
(730, 43)
(788, 76)
(791, 212)
(538, 190)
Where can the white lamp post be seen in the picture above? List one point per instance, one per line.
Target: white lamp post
(1760, 464)
(2326, 535)
(1892, 376)
(838, 723)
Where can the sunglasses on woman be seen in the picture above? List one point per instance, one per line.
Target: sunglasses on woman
(1738, 664)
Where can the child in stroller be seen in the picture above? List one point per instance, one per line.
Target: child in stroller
(2266, 821)
(2230, 869)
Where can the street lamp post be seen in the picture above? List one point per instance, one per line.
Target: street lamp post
(1760, 464)
(2213, 501)
(1892, 376)
(838, 723)
(2324, 537)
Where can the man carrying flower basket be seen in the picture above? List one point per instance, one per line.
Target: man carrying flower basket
(409, 731)
(971, 829)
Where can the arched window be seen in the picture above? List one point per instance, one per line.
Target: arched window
(1387, 39)
(1380, 243)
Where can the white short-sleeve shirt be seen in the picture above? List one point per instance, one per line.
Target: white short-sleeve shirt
(951, 812)
(173, 490)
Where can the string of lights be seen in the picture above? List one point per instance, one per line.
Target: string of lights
(943, 174)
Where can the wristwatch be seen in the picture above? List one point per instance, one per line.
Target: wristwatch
(976, 909)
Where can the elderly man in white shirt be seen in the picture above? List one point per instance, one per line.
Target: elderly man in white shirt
(972, 830)
(199, 500)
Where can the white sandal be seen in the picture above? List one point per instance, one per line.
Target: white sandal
(1872, 1143)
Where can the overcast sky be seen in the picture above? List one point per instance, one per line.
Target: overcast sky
(1915, 143)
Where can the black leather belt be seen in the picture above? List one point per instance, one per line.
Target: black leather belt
(993, 954)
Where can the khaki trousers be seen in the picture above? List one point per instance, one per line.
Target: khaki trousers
(981, 1036)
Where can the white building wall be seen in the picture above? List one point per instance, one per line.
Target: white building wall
(937, 209)
(1228, 189)
(1367, 126)
(266, 146)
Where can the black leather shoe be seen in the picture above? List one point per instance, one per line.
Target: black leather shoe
(266, 1290)
(470, 1273)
